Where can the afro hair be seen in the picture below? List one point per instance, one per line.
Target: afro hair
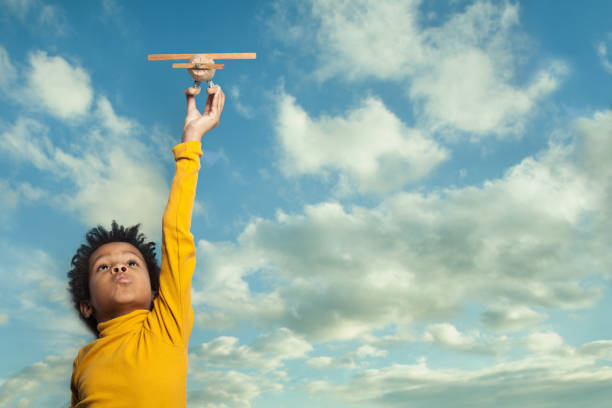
(96, 237)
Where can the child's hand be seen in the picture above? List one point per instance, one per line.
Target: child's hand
(197, 124)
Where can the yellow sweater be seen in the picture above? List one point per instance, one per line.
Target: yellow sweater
(140, 358)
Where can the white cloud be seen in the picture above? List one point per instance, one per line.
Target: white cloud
(36, 15)
(596, 150)
(365, 38)
(602, 51)
(8, 74)
(367, 351)
(211, 157)
(23, 388)
(320, 362)
(447, 336)
(8, 196)
(116, 125)
(105, 174)
(360, 357)
(39, 297)
(460, 75)
(19, 7)
(544, 342)
(58, 87)
(217, 389)
(30, 192)
(597, 144)
(340, 272)
(112, 176)
(369, 146)
(4, 319)
(465, 92)
(243, 110)
(12, 196)
(601, 349)
(223, 351)
(469, 79)
(283, 344)
(266, 353)
(223, 389)
(506, 317)
(111, 7)
(123, 185)
(543, 380)
(28, 140)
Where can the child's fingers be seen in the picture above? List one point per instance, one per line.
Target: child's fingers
(191, 104)
(209, 102)
(212, 99)
(192, 90)
(221, 101)
(215, 103)
(218, 103)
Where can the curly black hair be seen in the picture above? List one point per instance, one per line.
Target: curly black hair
(96, 237)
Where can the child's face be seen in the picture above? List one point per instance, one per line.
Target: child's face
(118, 282)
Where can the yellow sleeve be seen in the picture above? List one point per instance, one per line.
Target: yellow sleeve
(172, 315)
(73, 387)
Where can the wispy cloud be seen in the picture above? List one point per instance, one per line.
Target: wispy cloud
(39, 298)
(111, 8)
(602, 51)
(217, 374)
(506, 317)
(8, 73)
(266, 353)
(359, 357)
(112, 174)
(34, 295)
(528, 382)
(243, 110)
(49, 17)
(460, 75)
(23, 389)
(13, 195)
(224, 389)
(447, 336)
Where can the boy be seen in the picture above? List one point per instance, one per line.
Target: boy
(141, 316)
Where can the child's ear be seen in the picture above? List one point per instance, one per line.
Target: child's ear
(86, 309)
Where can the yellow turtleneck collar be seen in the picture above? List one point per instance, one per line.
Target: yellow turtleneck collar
(122, 324)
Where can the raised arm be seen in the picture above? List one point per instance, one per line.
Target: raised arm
(172, 315)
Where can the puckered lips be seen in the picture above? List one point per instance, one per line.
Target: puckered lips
(122, 278)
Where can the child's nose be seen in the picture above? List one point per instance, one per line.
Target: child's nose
(116, 269)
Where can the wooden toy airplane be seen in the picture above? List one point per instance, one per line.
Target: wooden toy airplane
(201, 67)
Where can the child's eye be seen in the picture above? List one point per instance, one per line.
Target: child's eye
(102, 267)
(132, 263)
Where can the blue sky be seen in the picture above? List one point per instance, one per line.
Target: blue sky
(406, 203)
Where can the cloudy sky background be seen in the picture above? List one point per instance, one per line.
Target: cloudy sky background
(406, 203)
